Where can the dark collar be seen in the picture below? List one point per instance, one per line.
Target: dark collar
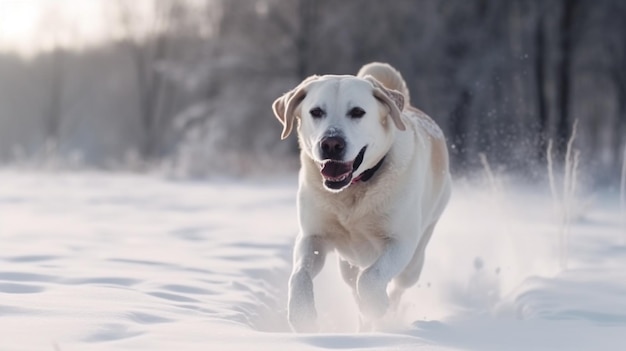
(368, 174)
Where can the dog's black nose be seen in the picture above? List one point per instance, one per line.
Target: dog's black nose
(333, 148)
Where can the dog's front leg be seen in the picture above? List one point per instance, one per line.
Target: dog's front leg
(308, 259)
(372, 282)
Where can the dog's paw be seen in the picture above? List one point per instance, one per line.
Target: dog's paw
(301, 312)
(373, 299)
(373, 304)
(300, 324)
(302, 318)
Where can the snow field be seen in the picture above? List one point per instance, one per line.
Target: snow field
(94, 261)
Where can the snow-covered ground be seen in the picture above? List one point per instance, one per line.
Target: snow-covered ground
(93, 261)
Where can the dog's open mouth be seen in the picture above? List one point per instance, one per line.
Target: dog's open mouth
(338, 175)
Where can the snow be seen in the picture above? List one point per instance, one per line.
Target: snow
(96, 261)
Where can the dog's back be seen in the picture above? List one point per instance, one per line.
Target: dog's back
(387, 75)
(438, 168)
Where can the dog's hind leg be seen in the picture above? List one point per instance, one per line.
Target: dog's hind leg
(365, 325)
(394, 297)
(349, 273)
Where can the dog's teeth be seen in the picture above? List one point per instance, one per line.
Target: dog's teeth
(340, 178)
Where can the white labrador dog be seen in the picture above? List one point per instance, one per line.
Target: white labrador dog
(373, 182)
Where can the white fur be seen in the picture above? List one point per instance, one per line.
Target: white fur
(379, 228)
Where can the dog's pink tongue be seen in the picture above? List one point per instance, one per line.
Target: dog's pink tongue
(334, 169)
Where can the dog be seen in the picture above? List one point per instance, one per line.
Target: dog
(373, 182)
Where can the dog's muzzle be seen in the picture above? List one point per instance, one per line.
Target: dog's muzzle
(338, 175)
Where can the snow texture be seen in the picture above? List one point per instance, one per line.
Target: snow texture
(93, 261)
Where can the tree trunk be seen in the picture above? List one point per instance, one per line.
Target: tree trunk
(303, 40)
(149, 84)
(540, 81)
(53, 125)
(619, 130)
(564, 75)
(459, 128)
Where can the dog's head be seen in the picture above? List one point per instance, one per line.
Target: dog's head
(346, 124)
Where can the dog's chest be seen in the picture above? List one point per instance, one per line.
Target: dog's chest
(358, 227)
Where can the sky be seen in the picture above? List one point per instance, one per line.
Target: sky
(30, 26)
(27, 26)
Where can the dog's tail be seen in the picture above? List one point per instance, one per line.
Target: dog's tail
(387, 75)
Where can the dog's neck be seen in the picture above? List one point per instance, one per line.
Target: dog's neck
(369, 173)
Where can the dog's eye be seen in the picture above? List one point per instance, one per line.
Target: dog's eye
(356, 112)
(317, 112)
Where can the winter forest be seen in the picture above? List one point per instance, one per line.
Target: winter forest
(188, 85)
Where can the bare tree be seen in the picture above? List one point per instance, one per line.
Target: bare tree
(616, 49)
(565, 71)
(53, 118)
(148, 46)
(540, 82)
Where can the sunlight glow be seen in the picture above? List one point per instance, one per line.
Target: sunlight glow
(30, 26)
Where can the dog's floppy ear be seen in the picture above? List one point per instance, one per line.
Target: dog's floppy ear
(392, 98)
(285, 106)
